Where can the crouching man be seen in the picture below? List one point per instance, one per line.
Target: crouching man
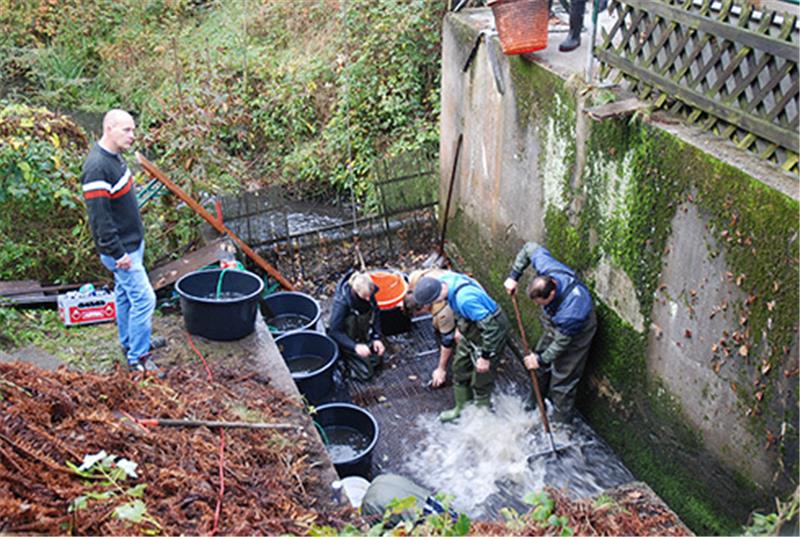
(355, 324)
(443, 321)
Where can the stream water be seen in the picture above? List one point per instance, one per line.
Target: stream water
(485, 458)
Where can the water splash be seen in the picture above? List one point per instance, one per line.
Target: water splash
(484, 459)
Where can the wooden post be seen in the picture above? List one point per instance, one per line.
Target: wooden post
(155, 173)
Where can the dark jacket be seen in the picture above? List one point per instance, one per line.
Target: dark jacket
(114, 218)
(346, 303)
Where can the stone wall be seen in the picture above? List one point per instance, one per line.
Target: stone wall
(690, 248)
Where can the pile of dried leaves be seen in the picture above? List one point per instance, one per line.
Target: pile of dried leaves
(50, 419)
(627, 511)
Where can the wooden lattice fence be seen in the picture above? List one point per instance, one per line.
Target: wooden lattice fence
(728, 67)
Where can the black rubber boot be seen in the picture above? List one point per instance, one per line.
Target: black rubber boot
(573, 39)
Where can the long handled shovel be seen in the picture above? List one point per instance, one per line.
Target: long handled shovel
(439, 259)
(553, 449)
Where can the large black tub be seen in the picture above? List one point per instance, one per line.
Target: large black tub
(311, 357)
(221, 310)
(350, 436)
(289, 311)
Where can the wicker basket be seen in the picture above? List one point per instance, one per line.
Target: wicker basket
(521, 24)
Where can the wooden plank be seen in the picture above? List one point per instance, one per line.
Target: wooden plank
(23, 293)
(16, 286)
(765, 129)
(169, 273)
(619, 108)
(35, 288)
(752, 39)
(32, 293)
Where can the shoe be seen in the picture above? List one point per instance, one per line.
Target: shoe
(573, 39)
(157, 342)
(484, 402)
(147, 366)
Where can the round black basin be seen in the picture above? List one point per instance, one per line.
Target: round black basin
(311, 357)
(289, 311)
(350, 436)
(219, 304)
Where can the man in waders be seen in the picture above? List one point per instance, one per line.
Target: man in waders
(483, 329)
(442, 319)
(569, 324)
(355, 324)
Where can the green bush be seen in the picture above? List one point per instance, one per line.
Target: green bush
(227, 96)
(42, 219)
(235, 93)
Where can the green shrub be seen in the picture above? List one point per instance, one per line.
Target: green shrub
(42, 218)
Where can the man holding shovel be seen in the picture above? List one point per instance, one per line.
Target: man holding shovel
(569, 323)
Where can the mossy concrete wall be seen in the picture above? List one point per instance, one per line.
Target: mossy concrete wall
(692, 256)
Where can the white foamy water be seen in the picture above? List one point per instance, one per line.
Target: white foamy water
(468, 458)
(489, 453)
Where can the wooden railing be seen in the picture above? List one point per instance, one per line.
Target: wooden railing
(729, 67)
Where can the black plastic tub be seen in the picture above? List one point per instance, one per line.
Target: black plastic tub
(289, 311)
(311, 358)
(394, 321)
(359, 430)
(224, 316)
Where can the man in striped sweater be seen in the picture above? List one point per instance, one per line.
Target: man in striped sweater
(119, 236)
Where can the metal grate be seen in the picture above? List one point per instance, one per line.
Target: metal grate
(728, 67)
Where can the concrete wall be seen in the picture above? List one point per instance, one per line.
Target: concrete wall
(691, 251)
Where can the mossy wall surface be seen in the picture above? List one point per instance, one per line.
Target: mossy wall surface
(694, 266)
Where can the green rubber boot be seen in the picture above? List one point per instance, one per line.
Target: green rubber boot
(484, 402)
(463, 395)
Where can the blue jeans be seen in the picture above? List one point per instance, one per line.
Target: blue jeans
(136, 302)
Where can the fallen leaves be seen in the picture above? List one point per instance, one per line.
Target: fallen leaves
(179, 466)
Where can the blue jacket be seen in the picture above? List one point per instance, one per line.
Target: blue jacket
(471, 301)
(568, 311)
